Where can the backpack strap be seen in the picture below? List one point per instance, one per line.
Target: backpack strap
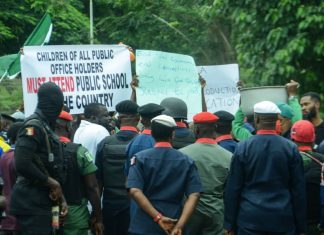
(313, 158)
(37, 122)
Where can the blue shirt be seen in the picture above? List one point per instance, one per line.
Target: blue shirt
(165, 176)
(139, 143)
(229, 145)
(265, 190)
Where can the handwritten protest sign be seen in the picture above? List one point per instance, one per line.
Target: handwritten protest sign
(85, 73)
(165, 75)
(221, 92)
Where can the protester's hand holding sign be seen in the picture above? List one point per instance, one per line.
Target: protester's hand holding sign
(134, 84)
(202, 82)
(292, 87)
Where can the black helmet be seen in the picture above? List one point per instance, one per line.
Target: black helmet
(175, 107)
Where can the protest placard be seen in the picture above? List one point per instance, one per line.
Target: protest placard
(163, 75)
(85, 73)
(220, 91)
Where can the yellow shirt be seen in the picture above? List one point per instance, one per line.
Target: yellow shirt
(5, 147)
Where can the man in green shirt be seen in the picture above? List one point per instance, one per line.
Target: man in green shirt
(213, 163)
(80, 185)
(241, 133)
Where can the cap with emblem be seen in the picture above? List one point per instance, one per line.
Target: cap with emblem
(224, 116)
(165, 120)
(66, 116)
(286, 110)
(205, 118)
(266, 107)
(303, 131)
(127, 107)
(150, 110)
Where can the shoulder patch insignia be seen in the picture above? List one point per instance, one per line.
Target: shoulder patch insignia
(88, 156)
(133, 161)
(30, 131)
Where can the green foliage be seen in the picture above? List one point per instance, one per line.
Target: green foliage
(11, 95)
(18, 18)
(276, 41)
(187, 27)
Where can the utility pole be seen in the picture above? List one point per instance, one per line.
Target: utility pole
(91, 22)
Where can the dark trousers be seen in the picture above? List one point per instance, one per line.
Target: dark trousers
(245, 231)
(10, 233)
(35, 224)
(201, 224)
(116, 223)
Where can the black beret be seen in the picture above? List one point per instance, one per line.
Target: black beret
(224, 116)
(150, 110)
(8, 117)
(127, 107)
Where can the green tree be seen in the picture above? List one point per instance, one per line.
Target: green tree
(18, 18)
(279, 40)
(187, 27)
(11, 95)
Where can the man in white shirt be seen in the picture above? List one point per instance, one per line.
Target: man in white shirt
(94, 128)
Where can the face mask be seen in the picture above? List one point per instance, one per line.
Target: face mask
(50, 101)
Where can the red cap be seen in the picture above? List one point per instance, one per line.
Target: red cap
(303, 131)
(205, 118)
(66, 116)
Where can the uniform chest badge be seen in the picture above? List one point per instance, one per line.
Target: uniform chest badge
(30, 131)
(133, 161)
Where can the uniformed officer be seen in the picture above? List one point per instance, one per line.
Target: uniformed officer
(145, 139)
(177, 109)
(110, 160)
(224, 136)
(80, 184)
(265, 190)
(158, 180)
(213, 163)
(39, 165)
(303, 134)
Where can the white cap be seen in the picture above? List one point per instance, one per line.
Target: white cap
(266, 107)
(165, 120)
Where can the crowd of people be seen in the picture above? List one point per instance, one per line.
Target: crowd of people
(144, 170)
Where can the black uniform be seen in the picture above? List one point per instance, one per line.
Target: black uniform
(110, 160)
(38, 154)
(30, 199)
